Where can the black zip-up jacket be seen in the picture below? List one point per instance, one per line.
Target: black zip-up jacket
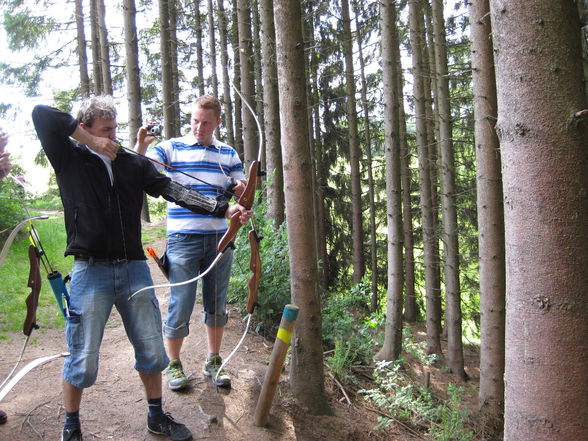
(102, 220)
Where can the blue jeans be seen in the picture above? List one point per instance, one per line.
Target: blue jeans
(189, 255)
(95, 288)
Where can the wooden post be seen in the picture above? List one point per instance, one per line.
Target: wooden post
(272, 376)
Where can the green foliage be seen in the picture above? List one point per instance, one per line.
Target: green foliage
(24, 30)
(397, 395)
(450, 426)
(417, 349)
(343, 357)
(14, 275)
(274, 287)
(157, 207)
(12, 197)
(344, 328)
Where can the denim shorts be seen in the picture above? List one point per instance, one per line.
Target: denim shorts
(95, 288)
(189, 255)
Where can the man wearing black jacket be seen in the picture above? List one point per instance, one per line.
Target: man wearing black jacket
(102, 191)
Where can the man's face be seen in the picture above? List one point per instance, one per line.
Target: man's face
(102, 128)
(204, 123)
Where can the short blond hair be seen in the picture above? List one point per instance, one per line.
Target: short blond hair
(208, 102)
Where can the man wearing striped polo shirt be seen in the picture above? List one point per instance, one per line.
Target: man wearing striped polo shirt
(193, 238)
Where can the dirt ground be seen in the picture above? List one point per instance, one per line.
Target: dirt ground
(115, 407)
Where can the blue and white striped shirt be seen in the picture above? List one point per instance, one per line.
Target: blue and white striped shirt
(213, 164)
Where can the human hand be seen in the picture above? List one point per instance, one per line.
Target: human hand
(3, 140)
(239, 188)
(144, 138)
(244, 213)
(104, 146)
(5, 165)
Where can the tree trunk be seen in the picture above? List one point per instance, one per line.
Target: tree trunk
(175, 74)
(490, 218)
(371, 190)
(250, 135)
(584, 39)
(320, 172)
(307, 374)
(393, 329)
(104, 49)
(237, 80)
(96, 61)
(82, 55)
(133, 81)
(226, 98)
(427, 48)
(543, 143)
(354, 152)
(449, 218)
(199, 81)
(257, 71)
(166, 70)
(411, 312)
(427, 212)
(275, 189)
(212, 42)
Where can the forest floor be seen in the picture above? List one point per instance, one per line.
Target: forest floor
(115, 407)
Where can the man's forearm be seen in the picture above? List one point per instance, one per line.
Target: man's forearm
(193, 200)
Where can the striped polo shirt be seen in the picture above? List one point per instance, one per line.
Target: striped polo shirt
(213, 164)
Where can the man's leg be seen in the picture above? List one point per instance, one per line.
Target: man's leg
(215, 337)
(72, 397)
(152, 384)
(183, 255)
(214, 289)
(142, 321)
(173, 347)
(159, 422)
(91, 299)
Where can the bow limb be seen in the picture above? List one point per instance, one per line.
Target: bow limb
(25, 370)
(246, 200)
(32, 300)
(13, 234)
(255, 267)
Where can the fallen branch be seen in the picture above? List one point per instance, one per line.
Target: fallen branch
(342, 388)
(397, 421)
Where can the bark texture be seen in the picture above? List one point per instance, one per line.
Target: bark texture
(307, 376)
(426, 194)
(82, 54)
(275, 188)
(490, 216)
(448, 203)
(250, 130)
(393, 330)
(354, 151)
(545, 181)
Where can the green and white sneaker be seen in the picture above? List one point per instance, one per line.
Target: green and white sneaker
(211, 369)
(176, 379)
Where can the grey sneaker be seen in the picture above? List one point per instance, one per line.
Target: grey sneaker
(211, 369)
(176, 379)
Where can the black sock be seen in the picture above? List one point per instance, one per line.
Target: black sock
(72, 420)
(155, 409)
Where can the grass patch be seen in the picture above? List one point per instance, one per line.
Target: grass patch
(14, 274)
